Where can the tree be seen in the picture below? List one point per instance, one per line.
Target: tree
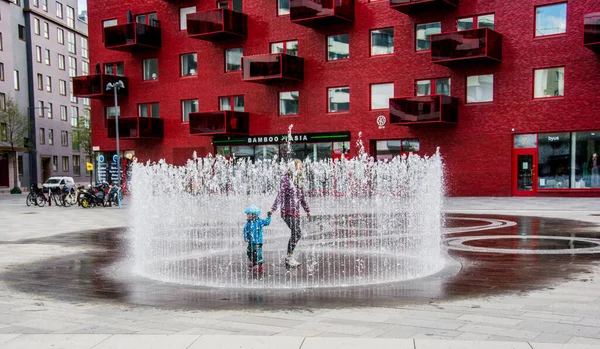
(82, 136)
(14, 129)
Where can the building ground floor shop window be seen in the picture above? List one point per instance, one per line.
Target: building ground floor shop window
(549, 162)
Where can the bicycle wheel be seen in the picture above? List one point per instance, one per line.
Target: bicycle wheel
(30, 200)
(65, 200)
(72, 198)
(40, 200)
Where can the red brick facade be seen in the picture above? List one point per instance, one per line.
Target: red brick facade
(477, 150)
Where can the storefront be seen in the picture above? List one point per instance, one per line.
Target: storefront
(551, 163)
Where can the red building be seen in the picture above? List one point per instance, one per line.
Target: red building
(506, 89)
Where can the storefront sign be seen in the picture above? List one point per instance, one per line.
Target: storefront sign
(277, 139)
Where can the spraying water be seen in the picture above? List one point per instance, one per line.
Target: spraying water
(371, 221)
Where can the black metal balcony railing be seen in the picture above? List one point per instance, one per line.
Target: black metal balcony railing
(591, 31)
(422, 6)
(94, 86)
(272, 67)
(423, 109)
(474, 44)
(217, 24)
(132, 36)
(219, 123)
(136, 127)
(321, 12)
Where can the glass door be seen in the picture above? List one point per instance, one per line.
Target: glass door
(524, 172)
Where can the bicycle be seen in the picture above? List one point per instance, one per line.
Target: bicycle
(36, 196)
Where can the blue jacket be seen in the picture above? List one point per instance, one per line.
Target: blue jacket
(253, 231)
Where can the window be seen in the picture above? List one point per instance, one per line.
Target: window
(114, 69)
(85, 68)
(49, 108)
(65, 164)
(387, 149)
(63, 113)
(480, 88)
(183, 16)
(76, 165)
(70, 17)
(338, 47)
(55, 163)
(72, 98)
(189, 64)
(84, 47)
(339, 99)
(287, 47)
(481, 21)
(554, 160)
(283, 7)
(148, 19)
(150, 68)
(382, 41)
(72, 66)
(109, 23)
(36, 3)
(42, 136)
(38, 54)
(46, 30)
(549, 82)
(1, 71)
(40, 109)
(233, 59)
(288, 103)
(62, 87)
(50, 137)
(36, 26)
(71, 39)
(225, 103)
(61, 62)
(59, 10)
(424, 32)
(45, 5)
(428, 87)
(16, 80)
(3, 132)
(48, 84)
(74, 116)
(47, 57)
(40, 82)
(110, 112)
(1, 44)
(60, 36)
(2, 101)
(187, 107)
(151, 110)
(381, 94)
(21, 30)
(551, 19)
(64, 138)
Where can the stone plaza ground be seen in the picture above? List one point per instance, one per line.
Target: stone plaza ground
(50, 304)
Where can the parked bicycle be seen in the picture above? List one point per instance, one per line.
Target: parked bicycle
(36, 196)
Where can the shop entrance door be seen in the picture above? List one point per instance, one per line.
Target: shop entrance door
(524, 171)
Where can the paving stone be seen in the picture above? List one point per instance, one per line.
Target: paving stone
(356, 343)
(559, 328)
(246, 342)
(6, 337)
(584, 340)
(438, 324)
(145, 341)
(489, 320)
(48, 341)
(552, 338)
(436, 344)
(498, 331)
(468, 336)
(561, 346)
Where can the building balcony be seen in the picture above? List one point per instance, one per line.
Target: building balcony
(136, 127)
(217, 24)
(94, 86)
(423, 110)
(480, 44)
(132, 37)
(313, 13)
(272, 67)
(219, 123)
(410, 7)
(591, 31)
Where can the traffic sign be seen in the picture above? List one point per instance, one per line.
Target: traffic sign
(89, 166)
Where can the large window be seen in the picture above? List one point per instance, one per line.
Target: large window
(64, 138)
(50, 137)
(62, 87)
(481, 21)
(114, 69)
(551, 19)
(60, 36)
(283, 7)
(189, 64)
(226, 103)
(428, 87)
(289, 103)
(48, 83)
(84, 47)
(38, 54)
(183, 12)
(111, 112)
(480, 88)
(71, 17)
(71, 42)
(49, 109)
(59, 10)
(187, 107)
(61, 62)
(150, 67)
(554, 152)
(287, 47)
(46, 30)
(72, 66)
(1, 71)
(54, 163)
(233, 59)
(63, 113)
(47, 56)
(387, 149)
(36, 26)
(17, 84)
(424, 32)
(549, 82)
(381, 94)
(382, 41)
(587, 159)
(76, 165)
(338, 99)
(42, 135)
(74, 116)
(151, 110)
(338, 47)
(65, 164)
(40, 109)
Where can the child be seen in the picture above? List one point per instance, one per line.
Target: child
(253, 235)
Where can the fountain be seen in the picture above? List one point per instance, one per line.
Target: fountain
(372, 222)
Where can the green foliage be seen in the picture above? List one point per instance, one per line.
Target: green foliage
(82, 135)
(15, 126)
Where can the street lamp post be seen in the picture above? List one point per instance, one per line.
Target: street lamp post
(115, 87)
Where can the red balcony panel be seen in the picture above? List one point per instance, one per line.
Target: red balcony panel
(136, 127)
(591, 31)
(217, 24)
(423, 110)
(94, 86)
(272, 67)
(312, 13)
(411, 7)
(475, 44)
(132, 37)
(219, 123)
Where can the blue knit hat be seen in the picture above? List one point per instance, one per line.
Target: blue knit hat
(252, 210)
